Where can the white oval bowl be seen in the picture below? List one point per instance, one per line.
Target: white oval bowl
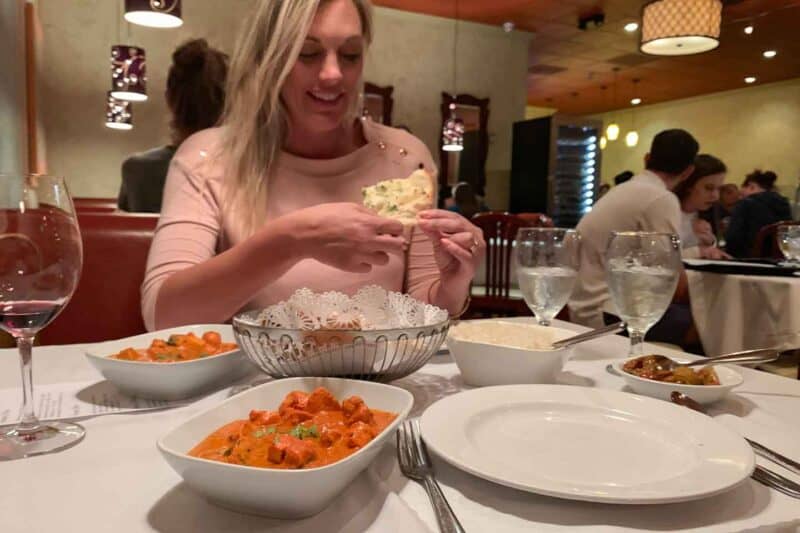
(500, 362)
(170, 381)
(704, 394)
(287, 494)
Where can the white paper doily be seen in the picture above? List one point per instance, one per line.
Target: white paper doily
(371, 308)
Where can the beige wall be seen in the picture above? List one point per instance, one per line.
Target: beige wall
(412, 52)
(756, 127)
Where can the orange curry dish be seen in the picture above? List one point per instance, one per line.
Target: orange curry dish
(178, 348)
(307, 431)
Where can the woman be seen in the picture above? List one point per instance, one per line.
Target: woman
(269, 202)
(761, 205)
(195, 97)
(697, 193)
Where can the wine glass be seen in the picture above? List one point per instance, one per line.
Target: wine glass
(789, 243)
(643, 270)
(40, 263)
(547, 265)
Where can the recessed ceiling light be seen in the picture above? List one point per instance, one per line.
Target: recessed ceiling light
(636, 101)
(508, 27)
(748, 30)
(750, 79)
(769, 54)
(631, 27)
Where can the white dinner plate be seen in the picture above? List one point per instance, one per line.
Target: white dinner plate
(586, 444)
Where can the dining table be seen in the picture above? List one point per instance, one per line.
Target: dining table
(735, 312)
(116, 480)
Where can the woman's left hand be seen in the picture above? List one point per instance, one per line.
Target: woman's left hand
(458, 246)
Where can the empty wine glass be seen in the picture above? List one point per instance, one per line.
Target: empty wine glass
(789, 243)
(643, 270)
(547, 265)
(40, 263)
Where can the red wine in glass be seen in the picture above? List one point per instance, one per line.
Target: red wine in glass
(41, 256)
(17, 318)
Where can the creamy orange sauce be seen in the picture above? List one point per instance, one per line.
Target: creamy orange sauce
(307, 431)
(648, 367)
(178, 348)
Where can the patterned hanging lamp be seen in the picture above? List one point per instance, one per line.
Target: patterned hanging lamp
(680, 27)
(154, 13)
(128, 73)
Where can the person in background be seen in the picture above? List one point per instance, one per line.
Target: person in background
(622, 177)
(698, 192)
(465, 202)
(195, 97)
(719, 215)
(645, 203)
(271, 201)
(761, 205)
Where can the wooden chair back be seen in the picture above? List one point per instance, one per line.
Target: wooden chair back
(535, 220)
(766, 243)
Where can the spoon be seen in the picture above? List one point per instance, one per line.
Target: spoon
(589, 335)
(764, 355)
(790, 464)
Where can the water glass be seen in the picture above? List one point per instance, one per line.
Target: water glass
(547, 265)
(789, 242)
(642, 270)
(41, 256)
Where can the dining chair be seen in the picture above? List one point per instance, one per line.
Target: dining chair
(535, 220)
(493, 298)
(95, 205)
(106, 304)
(766, 243)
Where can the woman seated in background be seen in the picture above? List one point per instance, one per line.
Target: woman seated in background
(195, 97)
(696, 193)
(270, 202)
(761, 205)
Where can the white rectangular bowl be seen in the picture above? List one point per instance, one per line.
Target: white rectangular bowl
(170, 381)
(287, 494)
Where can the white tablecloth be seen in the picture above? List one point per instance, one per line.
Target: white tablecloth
(115, 480)
(735, 312)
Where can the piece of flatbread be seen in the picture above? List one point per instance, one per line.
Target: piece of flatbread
(401, 199)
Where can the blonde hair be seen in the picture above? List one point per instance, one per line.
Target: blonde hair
(255, 119)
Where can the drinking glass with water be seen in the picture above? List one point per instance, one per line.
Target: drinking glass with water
(642, 270)
(547, 265)
(789, 242)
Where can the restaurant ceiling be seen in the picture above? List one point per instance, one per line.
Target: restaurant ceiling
(568, 67)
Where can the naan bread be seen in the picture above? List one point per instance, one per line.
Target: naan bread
(401, 199)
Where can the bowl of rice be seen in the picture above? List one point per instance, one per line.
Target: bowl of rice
(497, 352)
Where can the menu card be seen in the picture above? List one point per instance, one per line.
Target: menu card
(76, 400)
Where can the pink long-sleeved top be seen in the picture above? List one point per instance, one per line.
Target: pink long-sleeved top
(195, 225)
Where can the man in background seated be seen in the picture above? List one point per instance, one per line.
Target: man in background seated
(644, 203)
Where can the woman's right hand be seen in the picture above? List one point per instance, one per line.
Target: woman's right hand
(347, 236)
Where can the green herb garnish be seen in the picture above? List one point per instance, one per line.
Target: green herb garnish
(260, 432)
(173, 340)
(302, 432)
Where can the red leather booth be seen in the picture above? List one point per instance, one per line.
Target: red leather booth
(106, 303)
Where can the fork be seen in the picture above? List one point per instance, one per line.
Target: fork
(416, 464)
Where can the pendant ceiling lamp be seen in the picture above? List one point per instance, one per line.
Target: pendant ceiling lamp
(453, 128)
(680, 27)
(632, 137)
(612, 131)
(453, 133)
(128, 73)
(154, 13)
(118, 113)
